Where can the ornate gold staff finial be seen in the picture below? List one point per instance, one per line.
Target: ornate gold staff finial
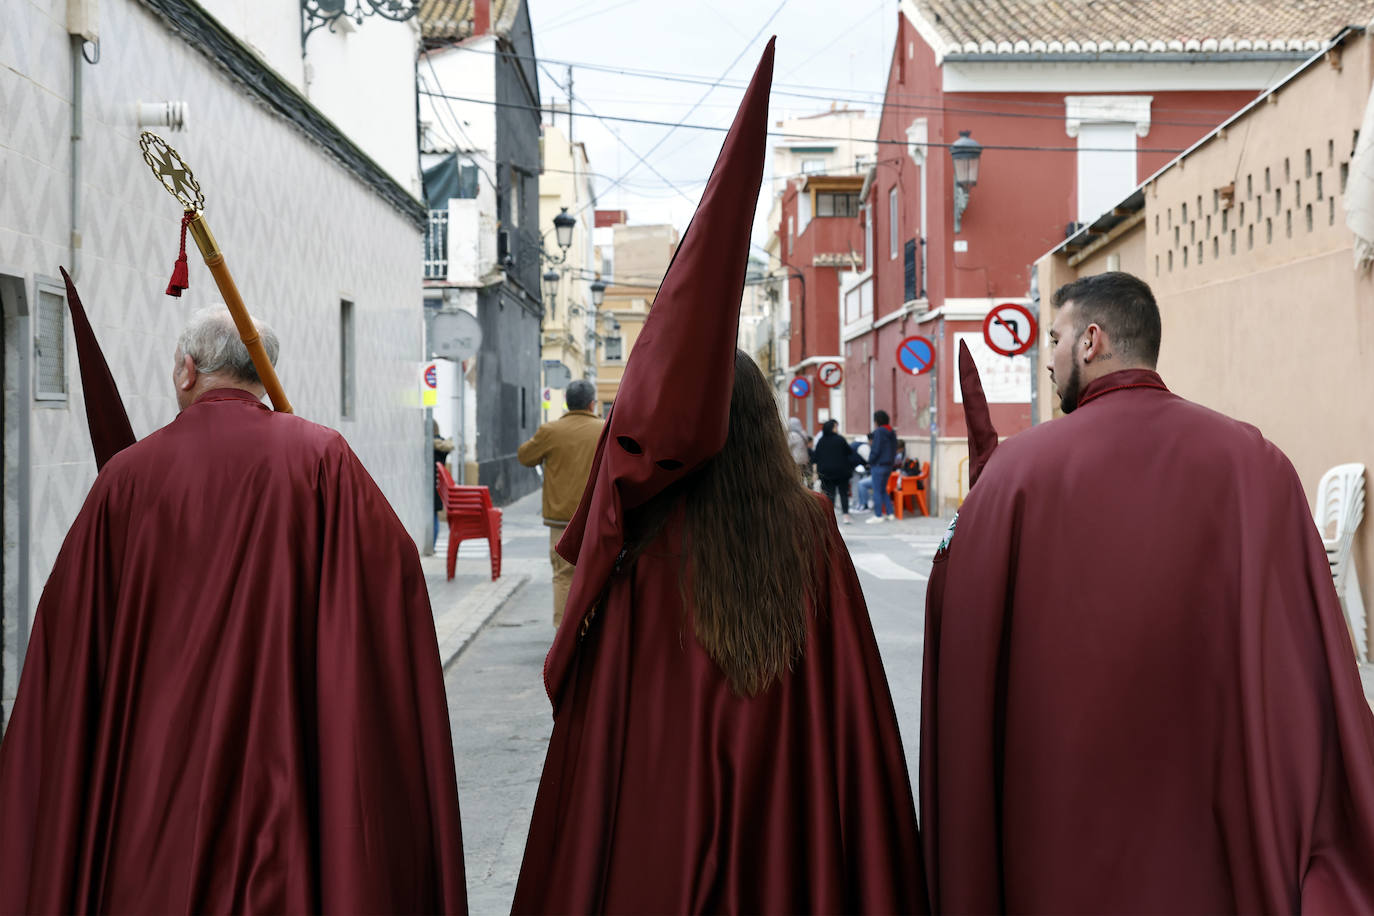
(175, 175)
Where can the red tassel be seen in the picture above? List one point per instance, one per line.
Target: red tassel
(180, 277)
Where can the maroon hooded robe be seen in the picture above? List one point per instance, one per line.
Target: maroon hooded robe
(664, 791)
(232, 699)
(1141, 695)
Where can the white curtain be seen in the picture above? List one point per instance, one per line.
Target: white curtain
(1359, 191)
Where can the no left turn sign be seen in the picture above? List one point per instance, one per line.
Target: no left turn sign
(1009, 329)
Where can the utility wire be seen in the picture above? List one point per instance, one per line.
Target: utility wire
(707, 93)
(832, 94)
(774, 133)
(620, 140)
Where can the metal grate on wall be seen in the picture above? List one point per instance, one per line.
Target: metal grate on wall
(50, 347)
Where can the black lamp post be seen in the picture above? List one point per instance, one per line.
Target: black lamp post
(551, 291)
(965, 152)
(563, 225)
(598, 293)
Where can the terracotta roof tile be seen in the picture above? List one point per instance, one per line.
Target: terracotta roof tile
(1132, 26)
(452, 19)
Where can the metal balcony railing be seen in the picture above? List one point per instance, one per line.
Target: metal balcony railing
(436, 246)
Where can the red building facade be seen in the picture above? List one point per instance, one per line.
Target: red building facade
(1061, 133)
(820, 241)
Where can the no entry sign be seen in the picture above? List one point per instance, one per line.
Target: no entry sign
(916, 355)
(800, 387)
(1009, 329)
(830, 374)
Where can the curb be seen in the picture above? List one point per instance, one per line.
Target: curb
(456, 628)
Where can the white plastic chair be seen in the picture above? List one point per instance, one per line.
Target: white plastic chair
(1340, 509)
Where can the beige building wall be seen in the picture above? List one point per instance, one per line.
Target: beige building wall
(640, 254)
(569, 316)
(622, 314)
(1265, 317)
(829, 143)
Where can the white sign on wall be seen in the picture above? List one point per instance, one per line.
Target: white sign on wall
(1006, 379)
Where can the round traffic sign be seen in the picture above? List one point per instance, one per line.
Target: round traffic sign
(431, 376)
(830, 374)
(1009, 329)
(916, 355)
(800, 387)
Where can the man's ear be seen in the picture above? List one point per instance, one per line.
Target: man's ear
(1094, 343)
(188, 373)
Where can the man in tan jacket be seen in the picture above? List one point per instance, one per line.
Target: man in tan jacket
(566, 448)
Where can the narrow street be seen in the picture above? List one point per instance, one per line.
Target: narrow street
(500, 715)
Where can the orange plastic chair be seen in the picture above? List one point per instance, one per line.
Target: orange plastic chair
(902, 488)
(471, 516)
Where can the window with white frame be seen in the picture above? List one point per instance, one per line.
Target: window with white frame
(868, 236)
(892, 228)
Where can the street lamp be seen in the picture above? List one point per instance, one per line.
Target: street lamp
(598, 293)
(563, 229)
(965, 152)
(551, 291)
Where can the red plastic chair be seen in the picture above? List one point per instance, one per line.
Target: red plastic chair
(470, 517)
(902, 488)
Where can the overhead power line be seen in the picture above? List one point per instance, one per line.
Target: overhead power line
(773, 133)
(831, 94)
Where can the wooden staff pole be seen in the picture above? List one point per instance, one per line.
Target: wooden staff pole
(248, 331)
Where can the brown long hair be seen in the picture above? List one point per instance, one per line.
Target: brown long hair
(752, 536)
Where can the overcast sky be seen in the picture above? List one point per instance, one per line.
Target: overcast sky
(827, 52)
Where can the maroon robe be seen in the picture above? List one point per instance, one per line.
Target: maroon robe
(1141, 696)
(232, 699)
(665, 792)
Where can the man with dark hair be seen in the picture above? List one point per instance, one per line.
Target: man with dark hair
(1141, 694)
(882, 456)
(1092, 309)
(565, 447)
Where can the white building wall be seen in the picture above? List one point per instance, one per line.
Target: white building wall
(299, 231)
(272, 28)
(362, 77)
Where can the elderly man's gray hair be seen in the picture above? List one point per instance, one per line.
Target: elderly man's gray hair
(212, 341)
(580, 395)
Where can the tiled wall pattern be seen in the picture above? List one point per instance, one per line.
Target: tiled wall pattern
(1287, 196)
(299, 232)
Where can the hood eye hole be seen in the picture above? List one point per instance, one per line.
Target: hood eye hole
(629, 445)
(669, 464)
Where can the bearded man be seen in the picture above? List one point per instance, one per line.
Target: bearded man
(1139, 691)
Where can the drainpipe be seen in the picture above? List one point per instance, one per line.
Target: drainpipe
(75, 242)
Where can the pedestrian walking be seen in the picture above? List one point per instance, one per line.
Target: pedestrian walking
(835, 463)
(724, 738)
(882, 456)
(1145, 666)
(232, 699)
(442, 448)
(565, 447)
(800, 450)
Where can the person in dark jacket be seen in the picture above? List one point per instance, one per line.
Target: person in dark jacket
(881, 457)
(835, 462)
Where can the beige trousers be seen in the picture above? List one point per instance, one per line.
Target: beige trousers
(562, 574)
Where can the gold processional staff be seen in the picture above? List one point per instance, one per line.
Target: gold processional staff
(176, 177)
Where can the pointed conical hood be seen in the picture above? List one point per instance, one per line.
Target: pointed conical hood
(672, 412)
(105, 415)
(982, 435)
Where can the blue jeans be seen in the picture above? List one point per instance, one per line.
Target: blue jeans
(882, 503)
(865, 492)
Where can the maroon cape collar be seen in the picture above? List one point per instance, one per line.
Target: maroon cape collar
(1121, 380)
(229, 394)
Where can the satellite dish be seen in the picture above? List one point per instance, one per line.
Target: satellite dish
(455, 335)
